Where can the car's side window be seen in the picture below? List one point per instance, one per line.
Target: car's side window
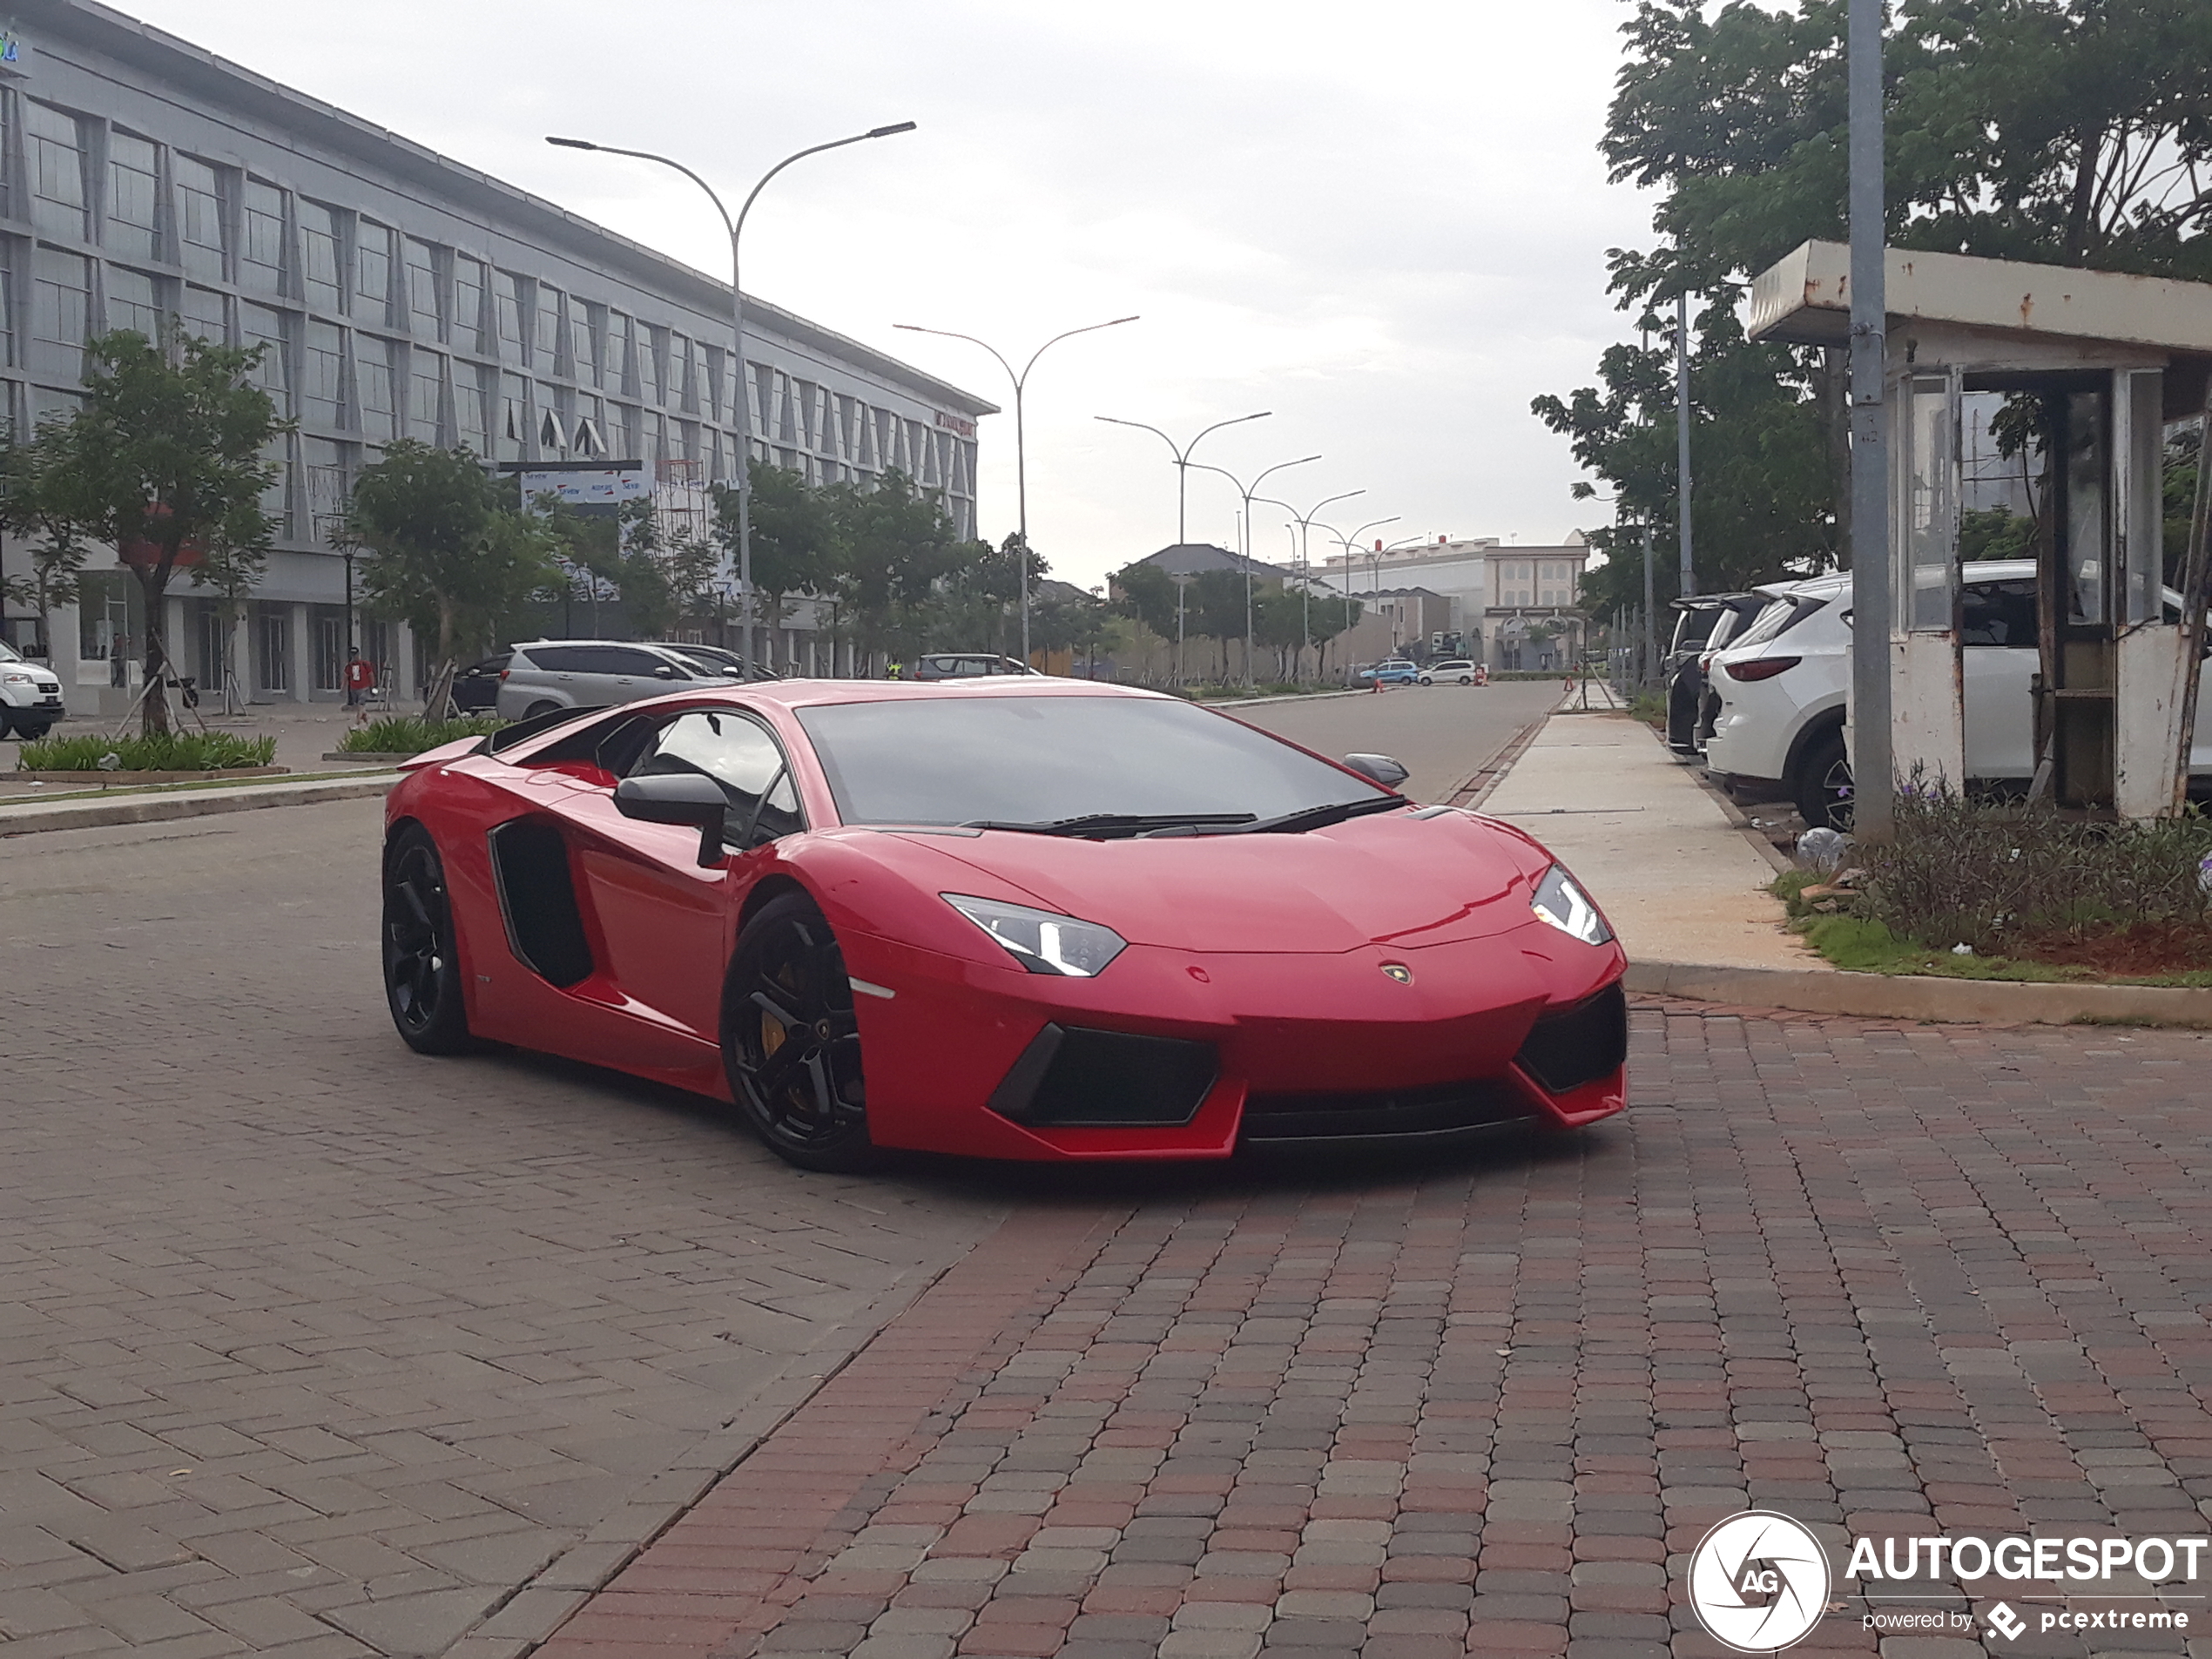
(554, 659)
(1999, 613)
(741, 756)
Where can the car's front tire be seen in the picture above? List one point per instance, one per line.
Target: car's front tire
(541, 708)
(1425, 680)
(422, 984)
(791, 1040)
(1823, 783)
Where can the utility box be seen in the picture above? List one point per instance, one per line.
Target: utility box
(2036, 399)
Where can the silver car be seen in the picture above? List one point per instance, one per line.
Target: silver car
(545, 676)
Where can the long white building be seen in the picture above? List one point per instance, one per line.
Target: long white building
(1512, 606)
(400, 295)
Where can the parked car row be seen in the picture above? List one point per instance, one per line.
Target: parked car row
(1399, 671)
(1758, 683)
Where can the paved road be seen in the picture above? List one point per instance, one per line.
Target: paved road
(1444, 734)
(1893, 1283)
(312, 1347)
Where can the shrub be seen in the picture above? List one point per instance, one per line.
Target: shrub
(404, 735)
(1997, 876)
(161, 751)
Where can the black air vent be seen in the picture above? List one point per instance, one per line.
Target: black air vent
(1070, 1077)
(1581, 1044)
(537, 897)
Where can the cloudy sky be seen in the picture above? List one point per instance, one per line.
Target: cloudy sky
(1386, 223)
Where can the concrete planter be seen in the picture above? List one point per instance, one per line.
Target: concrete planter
(107, 779)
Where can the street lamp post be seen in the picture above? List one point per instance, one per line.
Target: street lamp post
(1245, 537)
(1183, 461)
(1305, 522)
(1181, 585)
(1349, 543)
(1021, 443)
(742, 394)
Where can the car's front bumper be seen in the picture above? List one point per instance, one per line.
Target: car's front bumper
(1315, 1049)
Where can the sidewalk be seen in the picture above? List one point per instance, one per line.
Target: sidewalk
(1685, 888)
(1679, 882)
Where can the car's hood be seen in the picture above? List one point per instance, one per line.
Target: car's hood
(1395, 879)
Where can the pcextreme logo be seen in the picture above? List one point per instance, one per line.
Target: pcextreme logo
(1760, 1581)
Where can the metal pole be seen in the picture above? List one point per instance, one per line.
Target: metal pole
(1650, 616)
(1682, 437)
(736, 227)
(1874, 800)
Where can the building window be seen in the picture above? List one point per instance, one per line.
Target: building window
(133, 197)
(371, 274)
(682, 390)
(7, 318)
(61, 301)
(421, 289)
(648, 366)
(274, 631)
(329, 637)
(507, 289)
(56, 169)
(471, 429)
(325, 464)
(426, 374)
(276, 500)
(322, 388)
(714, 362)
(319, 245)
(199, 219)
(206, 315)
(513, 417)
(618, 378)
(372, 374)
(133, 301)
(467, 332)
(260, 254)
(258, 325)
(545, 339)
(622, 431)
(583, 344)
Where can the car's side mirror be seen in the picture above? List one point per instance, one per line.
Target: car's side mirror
(665, 671)
(733, 671)
(678, 798)
(1385, 771)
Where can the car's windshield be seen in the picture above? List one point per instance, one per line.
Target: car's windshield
(1042, 760)
(1778, 619)
(8, 653)
(1693, 627)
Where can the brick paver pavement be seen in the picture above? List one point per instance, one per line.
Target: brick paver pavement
(1896, 1281)
(311, 1347)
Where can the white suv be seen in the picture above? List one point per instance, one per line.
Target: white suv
(546, 675)
(31, 697)
(1782, 685)
(1458, 669)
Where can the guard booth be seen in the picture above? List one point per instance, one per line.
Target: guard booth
(2090, 369)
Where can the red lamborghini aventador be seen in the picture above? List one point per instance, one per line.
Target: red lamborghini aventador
(1014, 918)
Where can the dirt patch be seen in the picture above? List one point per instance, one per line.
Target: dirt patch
(2141, 951)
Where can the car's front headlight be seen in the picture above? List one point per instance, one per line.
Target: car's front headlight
(1560, 902)
(1041, 941)
(16, 679)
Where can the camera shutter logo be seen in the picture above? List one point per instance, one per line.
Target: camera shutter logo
(1759, 1583)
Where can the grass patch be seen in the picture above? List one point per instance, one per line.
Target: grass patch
(409, 735)
(176, 752)
(1863, 945)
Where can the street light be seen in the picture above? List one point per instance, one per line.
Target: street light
(1020, 447)
(736, 228)
(1245, 552)
(1348, 543)
(1183, 461)
(1305, 523)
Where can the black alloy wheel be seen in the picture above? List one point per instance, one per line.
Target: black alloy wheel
(792, 1042)
(422, 968)
(538, 710)
(1824, 784)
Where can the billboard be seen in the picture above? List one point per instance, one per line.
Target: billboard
(587, 488)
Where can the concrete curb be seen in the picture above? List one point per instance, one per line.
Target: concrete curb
(30, 817)
(1223, 705)
(1923, 997)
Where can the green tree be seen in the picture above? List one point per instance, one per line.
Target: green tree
(30, 507)
(166, 458)
(451, 556)
(1148, 594)
(2064, 131)
(896, 544)
(796, 536)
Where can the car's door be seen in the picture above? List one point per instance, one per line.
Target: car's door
(1997, 635)
(663, 918)
(612, 674)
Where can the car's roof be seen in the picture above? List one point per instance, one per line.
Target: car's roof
(796, 693)
(627, 644)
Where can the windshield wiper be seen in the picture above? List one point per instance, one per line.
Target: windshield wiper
(1313, 818)
(1114, 823)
